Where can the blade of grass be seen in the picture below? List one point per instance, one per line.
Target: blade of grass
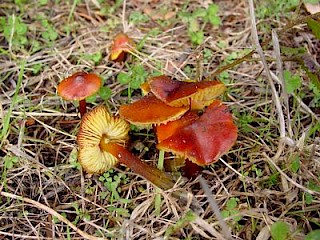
(157, 199)
(75, 2)
(7, 117)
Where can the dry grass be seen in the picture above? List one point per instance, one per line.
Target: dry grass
(44, 195)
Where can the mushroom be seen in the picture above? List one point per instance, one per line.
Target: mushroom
(150, 110)
(185, 93)
(102, 140)
(121, 45)
(202, 140)
(79, 86)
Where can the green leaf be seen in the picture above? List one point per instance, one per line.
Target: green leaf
(86, 217)
(21, 28)
(157, 203)
(36, 68)
(199, 12)
(138, 17)
(212, 9)
(14, 29)
(193, 25)
(314, 26)
(105, 92)
(196, 37)
(293, 82)
(313, 235)
(91, 99)
(280, 231)
(295, 163)
(308, 198)
(122, 211)
(103, 195)
(185, 16)
(215, 21)
(43, 2)
(235, 212)
(182, 222)
(123, 78)
(232, 203)
(225, 213)
(9, 161)
(212, 16)
(289, 51)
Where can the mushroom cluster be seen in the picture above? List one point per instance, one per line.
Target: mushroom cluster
(173, 108)
(197, 138)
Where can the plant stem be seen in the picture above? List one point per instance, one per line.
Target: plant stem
(82, 107)
(152, 174)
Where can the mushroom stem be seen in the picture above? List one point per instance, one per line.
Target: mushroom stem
(152, 174)
(82, 107)
(191, 170)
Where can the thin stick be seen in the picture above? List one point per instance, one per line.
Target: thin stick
(269, 77)
(52, 212)
(213, 203)
(276, 47)
(124, 22)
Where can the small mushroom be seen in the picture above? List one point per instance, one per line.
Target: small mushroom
(101, 141)
(185, 93)
(205, 139)
(78, 87)
(150, 110)
(121, 45)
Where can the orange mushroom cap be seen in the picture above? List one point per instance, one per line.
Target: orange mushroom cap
(121, 44)
(182, 93)
(150, 110)
(79, 86)
(205, 139)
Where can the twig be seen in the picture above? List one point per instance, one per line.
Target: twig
(214, 206)
(52, 212)
(276, 47)
(269, 77)
(124, 22)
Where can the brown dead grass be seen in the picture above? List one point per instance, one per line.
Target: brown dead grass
(43, 185)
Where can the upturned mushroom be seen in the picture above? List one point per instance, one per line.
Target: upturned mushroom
(102, 139)
(200, 139)
(121, 45)
(78, 87)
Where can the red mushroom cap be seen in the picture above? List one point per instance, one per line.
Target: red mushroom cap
(167, 130)
(79, 86)
(205, 139)
(182, 93)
